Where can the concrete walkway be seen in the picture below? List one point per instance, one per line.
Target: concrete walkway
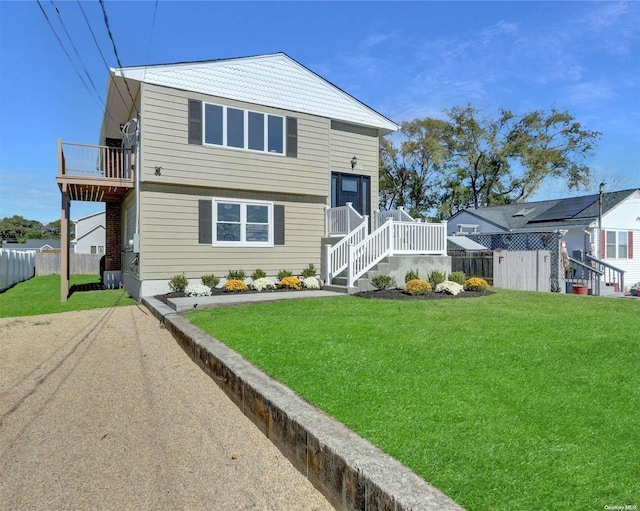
(204, 302)
(102, 409)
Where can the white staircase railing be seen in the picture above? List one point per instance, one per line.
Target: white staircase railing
(397, 215)
(337, 256)
(406, 238)
(342, 220)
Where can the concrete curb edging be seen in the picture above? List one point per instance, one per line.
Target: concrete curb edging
(351, 473)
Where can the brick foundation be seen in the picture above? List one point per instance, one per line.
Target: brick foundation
(113, 237)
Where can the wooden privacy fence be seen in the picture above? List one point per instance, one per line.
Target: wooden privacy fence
(474, 266)
(15, 266)
(523, 270)
(48, 263)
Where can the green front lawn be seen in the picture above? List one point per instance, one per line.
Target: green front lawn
(41, 295)
(512, 401)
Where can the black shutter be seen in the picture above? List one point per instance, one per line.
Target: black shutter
(278, 225)
(204, 221)
(292, 137)
(195, 121)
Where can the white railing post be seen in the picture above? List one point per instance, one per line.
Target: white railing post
(366, 225)
(327, 264)
(444, 237)
(326, 221)
(350, 260)
(391, 235)
(349, 206)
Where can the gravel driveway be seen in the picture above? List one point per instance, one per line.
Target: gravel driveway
(102, 409)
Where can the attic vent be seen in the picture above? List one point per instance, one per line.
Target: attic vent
(524, 212)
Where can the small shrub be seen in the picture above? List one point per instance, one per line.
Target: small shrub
(310, 271)
(435, 277)
(262, 284)
(178, 283)
(458, 277)
(211, 281)
(312, 283)
(449, 287)
(476, 284)
(258, 274)
(383, 281)
(235, 286)
(411, 275)
(197, 290)
(236, 275)
(283, 274)
(290, 283)
(417, 287)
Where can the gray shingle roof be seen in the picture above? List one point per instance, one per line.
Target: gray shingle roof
(522, 216)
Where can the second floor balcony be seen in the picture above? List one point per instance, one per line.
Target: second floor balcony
(95, 173)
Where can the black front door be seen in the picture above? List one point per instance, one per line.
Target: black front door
(351, 188)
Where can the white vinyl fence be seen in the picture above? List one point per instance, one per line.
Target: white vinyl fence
(16, 266)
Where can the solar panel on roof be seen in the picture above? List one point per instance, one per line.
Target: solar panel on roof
(565, 209)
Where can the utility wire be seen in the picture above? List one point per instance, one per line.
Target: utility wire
(115, 50)
(74, 47)
(69, 56)
(153, 24)
(95, 40)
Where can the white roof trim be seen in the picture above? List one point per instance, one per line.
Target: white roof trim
(274, 80)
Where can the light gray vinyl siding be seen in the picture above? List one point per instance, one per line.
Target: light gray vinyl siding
(344, 146)
(169, 235)
(165, 144)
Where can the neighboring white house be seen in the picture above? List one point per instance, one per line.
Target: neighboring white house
(90, 234)
(616, 241)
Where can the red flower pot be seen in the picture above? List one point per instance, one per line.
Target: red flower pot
(580, 289)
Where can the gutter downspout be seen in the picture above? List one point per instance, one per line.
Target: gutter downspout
(136, 235)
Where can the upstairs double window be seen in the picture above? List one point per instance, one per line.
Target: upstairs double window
(225, 126)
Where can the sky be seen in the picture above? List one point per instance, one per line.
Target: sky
(406, 60)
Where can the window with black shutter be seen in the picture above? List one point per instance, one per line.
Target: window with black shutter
(195, 122)
(292, 137)
(204, 221)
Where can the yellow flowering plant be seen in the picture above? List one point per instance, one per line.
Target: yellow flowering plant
(476, 284)
(235, 285)
(417, 287)
(290, 283)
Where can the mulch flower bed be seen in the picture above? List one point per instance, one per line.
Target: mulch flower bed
(399, 294)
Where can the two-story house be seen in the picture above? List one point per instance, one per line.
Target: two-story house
(207, 167)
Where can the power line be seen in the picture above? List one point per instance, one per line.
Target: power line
(69, 56)
(153, 24)
(95, 40)
(115, 50)
(74, 47)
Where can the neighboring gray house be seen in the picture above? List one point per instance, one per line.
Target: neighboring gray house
(90, 234)
(615, 242)
(38, 245)
(230, 164)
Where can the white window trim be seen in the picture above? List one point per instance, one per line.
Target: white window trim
(617, 244)
(246, 130)
(243, 223)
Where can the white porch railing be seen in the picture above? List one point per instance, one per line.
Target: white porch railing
(395, 238)
(343, 220)
(611, 275)
(397, 215)
(337, 256)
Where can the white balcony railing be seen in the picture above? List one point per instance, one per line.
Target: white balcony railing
(343, 220)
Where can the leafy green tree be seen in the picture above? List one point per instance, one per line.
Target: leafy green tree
(408, 174)
(503, 160)
(473, 160)
(16, 228)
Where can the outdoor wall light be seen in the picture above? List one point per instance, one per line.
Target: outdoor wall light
(158, 169)
(354, 162)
